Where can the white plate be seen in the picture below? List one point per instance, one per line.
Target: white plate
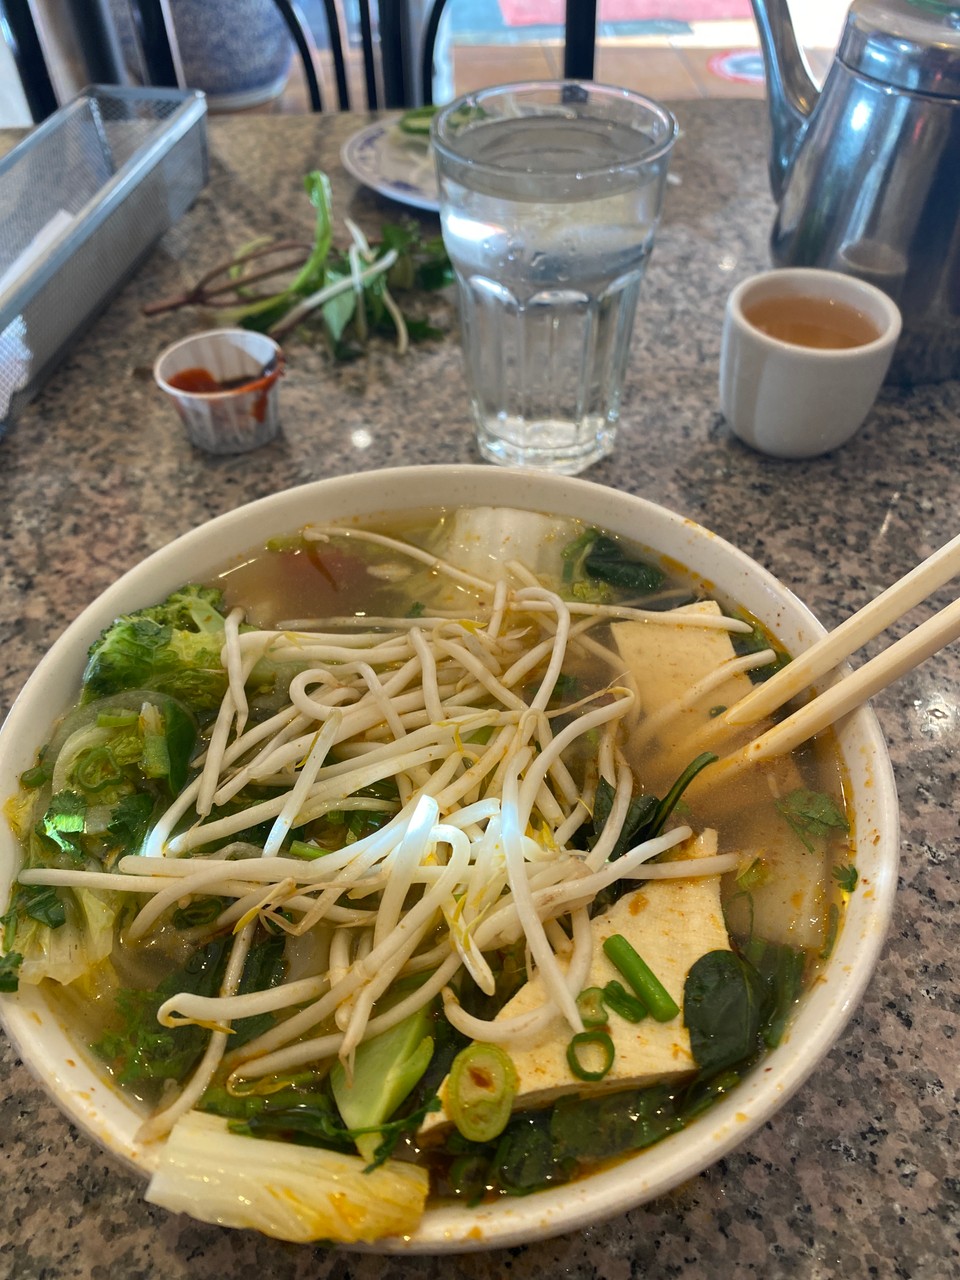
(382, 158)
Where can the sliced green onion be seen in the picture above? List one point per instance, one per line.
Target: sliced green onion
(301, 849)
(591, 1008)
(481, 1088)
(590, 1039)
(641, 977)
(37, 776)
(620, 1001)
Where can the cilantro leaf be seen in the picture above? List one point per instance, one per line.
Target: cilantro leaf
(812, 815)
(846, 877)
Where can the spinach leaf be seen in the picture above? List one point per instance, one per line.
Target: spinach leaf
(646, 818)
(608, 561)
(753, 641)
(525, 1159)
(316, 1123)
(602, 1127)
(781, 968)
(594, 556)
(723, 1007)
(144, 1051)
(264, 969)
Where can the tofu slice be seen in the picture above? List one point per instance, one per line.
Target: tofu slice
(671, 924)
(666, 660)
(792, 900)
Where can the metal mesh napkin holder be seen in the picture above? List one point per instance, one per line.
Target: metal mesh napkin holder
(83, 198)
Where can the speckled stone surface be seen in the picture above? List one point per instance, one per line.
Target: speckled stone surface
(859, 1174)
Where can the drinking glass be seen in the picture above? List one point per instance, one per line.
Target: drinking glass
(550, 196)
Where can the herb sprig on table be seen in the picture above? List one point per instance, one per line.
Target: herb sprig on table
(348, 293)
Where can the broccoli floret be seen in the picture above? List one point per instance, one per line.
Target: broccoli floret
(173, 648)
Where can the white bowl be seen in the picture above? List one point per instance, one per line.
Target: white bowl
(88, 1100)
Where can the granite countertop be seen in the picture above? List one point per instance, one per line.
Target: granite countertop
(857, 1175)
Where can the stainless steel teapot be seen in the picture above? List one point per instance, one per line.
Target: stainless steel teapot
(866, 171)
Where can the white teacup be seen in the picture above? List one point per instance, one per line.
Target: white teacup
(803, 355)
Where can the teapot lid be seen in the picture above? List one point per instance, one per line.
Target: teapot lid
(909, 44)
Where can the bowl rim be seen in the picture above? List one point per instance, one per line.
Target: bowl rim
(85, 1098)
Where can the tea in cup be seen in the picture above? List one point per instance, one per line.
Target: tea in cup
(803, 355)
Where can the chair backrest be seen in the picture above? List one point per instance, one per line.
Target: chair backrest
(395, 72)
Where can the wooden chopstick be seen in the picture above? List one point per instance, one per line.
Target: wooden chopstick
(841, 698)
(854, 689)
(844, 640)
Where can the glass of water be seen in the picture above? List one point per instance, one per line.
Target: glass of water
(550, 195)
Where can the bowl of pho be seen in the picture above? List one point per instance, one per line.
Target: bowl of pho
(374, 871)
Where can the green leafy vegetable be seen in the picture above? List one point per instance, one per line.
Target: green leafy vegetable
(61, 952)
(723, 1005)
(141, 1051)
(781, 968)
(42, 903)
(9, 971)
(646, 818)
(350, 292)
(144, 1053)
(173, 648)
(753, 641)
(812, 815)
(63, 821)
(316, 1122)
(114, 762)
(846, 877)
(595, 558)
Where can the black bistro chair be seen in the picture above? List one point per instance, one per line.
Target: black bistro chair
(395, 72)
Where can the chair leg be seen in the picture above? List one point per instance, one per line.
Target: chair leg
(580, 39)
(19, 29)
(429, 50)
